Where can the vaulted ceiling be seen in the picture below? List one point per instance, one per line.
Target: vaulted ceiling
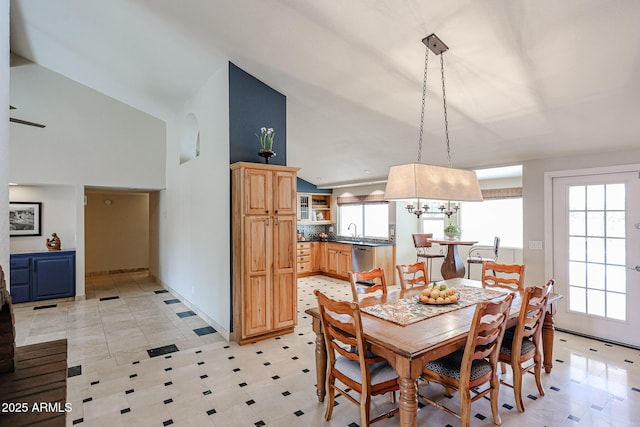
(524, 79)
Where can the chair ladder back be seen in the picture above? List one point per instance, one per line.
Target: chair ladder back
(413, 274)
(511, 275)
(375, 276)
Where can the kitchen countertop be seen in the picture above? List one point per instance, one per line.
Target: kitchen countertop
(352, 242)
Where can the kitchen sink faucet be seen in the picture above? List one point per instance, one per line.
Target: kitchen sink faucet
(355, 229)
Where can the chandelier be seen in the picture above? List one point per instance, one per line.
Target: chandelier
(428, 182)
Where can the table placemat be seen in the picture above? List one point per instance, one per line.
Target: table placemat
(409, 310)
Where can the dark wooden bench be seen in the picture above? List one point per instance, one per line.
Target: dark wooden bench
(33, 382)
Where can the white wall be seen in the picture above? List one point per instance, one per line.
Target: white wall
(193, 211)
(58, 215)
(534, 201)
(89, 138)
(4, 137)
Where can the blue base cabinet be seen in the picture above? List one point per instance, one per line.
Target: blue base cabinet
(42, 275)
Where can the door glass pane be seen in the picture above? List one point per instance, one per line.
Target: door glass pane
(616, 252)
(596, 302)
(595, 223)
(578, 273)
(616, 278)
(595, 249)
(615, 224)
(577, 247)
(577, 197)
(595, 275)
(577, 299)
(595, 197)
(577, 223)
(615, 197)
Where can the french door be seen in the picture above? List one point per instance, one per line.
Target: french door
(596, 255)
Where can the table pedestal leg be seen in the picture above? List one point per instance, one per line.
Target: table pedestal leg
(452, 265)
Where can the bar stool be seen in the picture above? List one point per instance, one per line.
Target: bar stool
(422, 243)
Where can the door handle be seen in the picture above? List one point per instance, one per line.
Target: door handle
(636, 268)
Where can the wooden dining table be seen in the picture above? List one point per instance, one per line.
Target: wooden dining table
(409, 348)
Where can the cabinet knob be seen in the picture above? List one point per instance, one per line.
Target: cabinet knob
(276, 211)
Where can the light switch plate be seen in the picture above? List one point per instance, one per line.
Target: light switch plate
(535, 245)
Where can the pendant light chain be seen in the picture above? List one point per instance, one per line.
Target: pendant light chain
(444, 104)
(424, 95)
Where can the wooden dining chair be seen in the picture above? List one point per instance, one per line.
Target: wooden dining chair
(413, 275)
(350, 361)
(367, 283)
(523, 342)
(422, 243)
(475, 365)
(481, 253)
(506, 276)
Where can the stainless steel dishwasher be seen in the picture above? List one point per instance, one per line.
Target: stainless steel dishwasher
(362, 257)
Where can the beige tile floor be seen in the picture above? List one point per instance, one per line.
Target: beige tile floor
(211, 382)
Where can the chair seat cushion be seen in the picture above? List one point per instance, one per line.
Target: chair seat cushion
(507, 344)
(380, 372)
(449, 366)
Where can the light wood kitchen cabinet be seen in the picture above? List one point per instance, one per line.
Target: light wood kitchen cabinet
(314, 208)
(339, 260)
(304, 257)
(318, 256)
(264, 250)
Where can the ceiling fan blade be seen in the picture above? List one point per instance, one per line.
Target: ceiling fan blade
(24, 122)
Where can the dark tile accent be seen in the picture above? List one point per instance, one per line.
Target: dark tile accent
(635, 389)
(286, 393)
(242, 384)
(294, 358)
(306, 371)
(137, 362)
(74, 371)
(593, 349)
(507, 406)
(204, 376)
(532, 397)
(353, 425)
(125, 410)
(78, 421)
(206, 392)
(226, 346)
(168, 357)
(109, 298)
(260, 424)
(236, 370)
(597, 408)
(299, 413)
(172, 301)
(168, 383)
(559, 361)
(554, 388)
(480, 417)
(628, 361)
(285, 347)
(168, 369)
(204, 331)
(129, 391)
(133, 375)
(42, 307)
(231, 357)
(574, 418)
(161, 291)
(167, 423)
(200, 351)
(95, 382)
(563, 340)
(211, 411)
(275, 377)
(184, 314)
(166, 402)
(88, 399)
(608, 345)
(250, 402)
(161, 351)
(200, 363)
(259, 352)
(267, 363)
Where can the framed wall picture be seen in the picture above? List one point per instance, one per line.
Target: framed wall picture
(25, 218)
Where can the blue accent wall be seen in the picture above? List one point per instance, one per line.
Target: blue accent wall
(307, 187)
(252, 105)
